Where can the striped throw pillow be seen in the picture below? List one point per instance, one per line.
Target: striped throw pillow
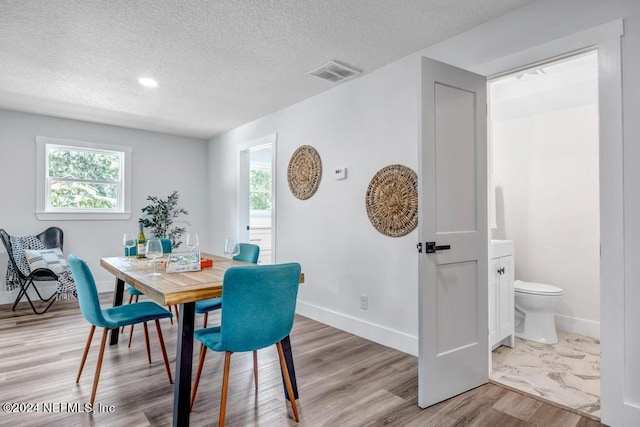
(53, 259)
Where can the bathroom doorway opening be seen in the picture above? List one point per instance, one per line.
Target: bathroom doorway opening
(257, 196)
(544, 197)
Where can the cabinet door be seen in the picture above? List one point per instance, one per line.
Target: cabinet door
(506, 297)
(494, 302)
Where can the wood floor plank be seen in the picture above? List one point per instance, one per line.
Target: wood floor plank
(343, 380)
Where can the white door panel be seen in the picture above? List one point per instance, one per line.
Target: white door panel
(453, 333)
(455, 166)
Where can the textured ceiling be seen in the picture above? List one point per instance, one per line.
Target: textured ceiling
(219, 64)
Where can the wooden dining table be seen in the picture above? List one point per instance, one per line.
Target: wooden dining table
(182, 289)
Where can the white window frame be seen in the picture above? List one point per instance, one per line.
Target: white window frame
(45, 212)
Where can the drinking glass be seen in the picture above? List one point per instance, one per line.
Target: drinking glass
(154, 251)
(193, 241)
(128, 243)
(231, 248)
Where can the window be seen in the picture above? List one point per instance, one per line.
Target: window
(260, 189)
(82, 180)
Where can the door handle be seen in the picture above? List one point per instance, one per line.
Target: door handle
(432, 248)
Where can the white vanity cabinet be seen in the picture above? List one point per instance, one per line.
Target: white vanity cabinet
(501, 294)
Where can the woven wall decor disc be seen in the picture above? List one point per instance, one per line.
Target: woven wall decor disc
(392, 200)
(304, 172)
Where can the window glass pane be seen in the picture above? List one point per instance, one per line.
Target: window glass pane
(83, 195)
(260, 189)
(66, 163)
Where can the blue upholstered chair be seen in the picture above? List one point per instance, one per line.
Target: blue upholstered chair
(248, 253)
(134, 294)
(259, 308)
(111, 318)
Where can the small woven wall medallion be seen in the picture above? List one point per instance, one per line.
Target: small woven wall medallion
(304, 172)
(392, 200)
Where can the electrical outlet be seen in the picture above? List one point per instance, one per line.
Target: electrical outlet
(363, 302)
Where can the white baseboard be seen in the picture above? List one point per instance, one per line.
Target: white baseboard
(578, 326)
(46, 289)
(631, 415)
(371, 331)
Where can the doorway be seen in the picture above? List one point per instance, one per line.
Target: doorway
(545, 198)
(257, 196)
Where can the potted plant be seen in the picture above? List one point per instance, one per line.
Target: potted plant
(159, 217)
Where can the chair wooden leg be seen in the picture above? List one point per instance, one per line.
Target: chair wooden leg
(177, 312)
(203, 351)
(96, 377)
(225, 387)
(86, 351)
(170, 307)
(206, 318)
(255, 368)
(164, 351)
(146, 340)
(130, 335)
(287, 380)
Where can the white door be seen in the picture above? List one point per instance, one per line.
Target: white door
(453, 331)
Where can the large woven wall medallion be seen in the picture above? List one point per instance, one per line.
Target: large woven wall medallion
(392, 200)
(304, 172)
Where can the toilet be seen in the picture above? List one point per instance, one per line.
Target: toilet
(535, 311)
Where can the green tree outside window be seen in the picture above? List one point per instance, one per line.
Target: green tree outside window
(260, 189)
(83, 178)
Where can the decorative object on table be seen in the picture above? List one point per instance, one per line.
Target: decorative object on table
(392, 200)
(142, 241)
(180, 262)
(128, 243)
(31, 260)
(193, 241)
(304, 172)
(206, 263)
(231, 248)
(154, 251)
(112, 318)
(159, 216)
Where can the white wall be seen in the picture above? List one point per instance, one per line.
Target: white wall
(546, 177)
(176, 163)
(364, 125)
(365, 136)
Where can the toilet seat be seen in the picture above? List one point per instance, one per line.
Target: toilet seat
(533, 288)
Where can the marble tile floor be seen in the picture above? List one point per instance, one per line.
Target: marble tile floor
(566, 373)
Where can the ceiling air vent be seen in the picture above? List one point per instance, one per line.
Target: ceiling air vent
(334, 72)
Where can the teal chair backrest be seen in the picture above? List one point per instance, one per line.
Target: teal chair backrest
(166, 248)
(87, 291)
(248, 253)
(259, 306)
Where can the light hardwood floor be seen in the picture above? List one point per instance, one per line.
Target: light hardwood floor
(343, 380)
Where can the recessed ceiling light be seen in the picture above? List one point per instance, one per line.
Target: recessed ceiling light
(148, 82)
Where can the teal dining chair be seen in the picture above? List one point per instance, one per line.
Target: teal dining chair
(259, 308)
(248, 253)
(134, 294)
(111, 318)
